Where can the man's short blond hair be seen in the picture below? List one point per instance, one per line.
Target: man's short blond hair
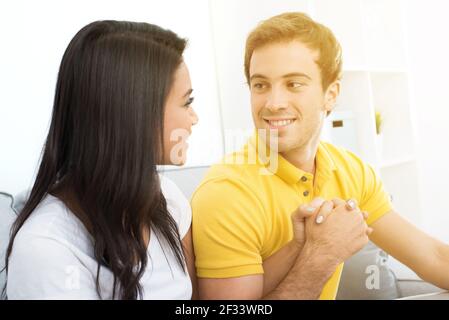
(299, 26)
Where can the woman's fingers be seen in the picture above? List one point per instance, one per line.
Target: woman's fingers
(326, 207)
(365, 215)
(338, 202)
(351, 204)
(308, 210)
(324, 211)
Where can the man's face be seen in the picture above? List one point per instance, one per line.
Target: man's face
(287, 95)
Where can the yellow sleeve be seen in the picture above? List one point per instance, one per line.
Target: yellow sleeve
(228, 229)
(375, 200)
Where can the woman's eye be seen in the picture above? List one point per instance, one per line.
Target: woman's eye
(189, 102)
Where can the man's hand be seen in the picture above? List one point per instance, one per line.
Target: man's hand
(291, 272)
(340, 233)
(306, 211)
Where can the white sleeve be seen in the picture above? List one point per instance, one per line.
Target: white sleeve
(177, 205)
(44, 268)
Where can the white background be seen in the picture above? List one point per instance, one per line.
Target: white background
(34, 36)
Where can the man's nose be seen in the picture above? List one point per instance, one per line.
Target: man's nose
(277, 100)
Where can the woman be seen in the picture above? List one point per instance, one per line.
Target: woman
(100, 222)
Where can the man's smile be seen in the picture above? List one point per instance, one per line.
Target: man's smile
(279, 123)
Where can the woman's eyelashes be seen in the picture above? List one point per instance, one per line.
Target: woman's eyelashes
(189, 102)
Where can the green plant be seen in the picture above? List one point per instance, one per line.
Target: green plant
(379, 122)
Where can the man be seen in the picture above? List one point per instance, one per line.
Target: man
(254, 234)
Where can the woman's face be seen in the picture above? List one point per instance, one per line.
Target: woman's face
(179, 118)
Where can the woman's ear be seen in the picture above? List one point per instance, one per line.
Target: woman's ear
(331, 95)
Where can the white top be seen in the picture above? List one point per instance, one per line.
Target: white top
(53, 257)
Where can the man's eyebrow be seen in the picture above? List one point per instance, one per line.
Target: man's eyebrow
(296, 74)
(288, 75)
(189, 92)
(257, 75)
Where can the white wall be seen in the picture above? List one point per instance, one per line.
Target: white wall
(34, 35)
(428, 28)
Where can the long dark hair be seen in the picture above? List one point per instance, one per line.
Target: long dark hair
(105, 140)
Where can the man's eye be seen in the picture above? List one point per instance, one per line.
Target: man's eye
(295, 85)
(258, 86)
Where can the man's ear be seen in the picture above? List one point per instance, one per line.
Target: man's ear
(331, 95)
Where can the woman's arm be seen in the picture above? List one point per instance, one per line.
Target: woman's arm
(189, 254)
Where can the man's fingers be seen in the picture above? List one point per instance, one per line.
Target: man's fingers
(324, 211)
(369, 230)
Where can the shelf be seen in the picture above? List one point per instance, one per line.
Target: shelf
(396, 162)
(402, 183)
(391, 97)
(358, 69)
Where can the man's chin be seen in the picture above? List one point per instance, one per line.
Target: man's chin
(279, 145)
(284, 147)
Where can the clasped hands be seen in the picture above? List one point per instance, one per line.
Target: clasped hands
(335, 228)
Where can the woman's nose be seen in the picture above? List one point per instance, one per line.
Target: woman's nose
(194, 118)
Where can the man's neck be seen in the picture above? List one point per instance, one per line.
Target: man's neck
(304, 157)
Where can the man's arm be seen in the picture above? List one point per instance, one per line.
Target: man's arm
(326, 247)
(305, 280)
(426, 256)
(278, 265)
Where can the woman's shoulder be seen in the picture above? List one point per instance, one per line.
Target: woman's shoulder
(52, 220)
(177, 204)
(50, 248)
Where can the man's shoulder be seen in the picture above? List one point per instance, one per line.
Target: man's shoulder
(235, 176)
(341, 157)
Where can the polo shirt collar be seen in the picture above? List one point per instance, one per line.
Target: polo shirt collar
(325, 165)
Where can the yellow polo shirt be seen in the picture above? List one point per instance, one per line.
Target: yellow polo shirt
(241, 217)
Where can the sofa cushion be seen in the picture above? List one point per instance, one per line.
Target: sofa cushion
(367, 276)
(187, 179)
(7, 217)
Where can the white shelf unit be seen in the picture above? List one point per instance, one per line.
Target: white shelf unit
(375, 78)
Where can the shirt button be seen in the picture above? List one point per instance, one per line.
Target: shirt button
(303, 178)
(305, 193)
